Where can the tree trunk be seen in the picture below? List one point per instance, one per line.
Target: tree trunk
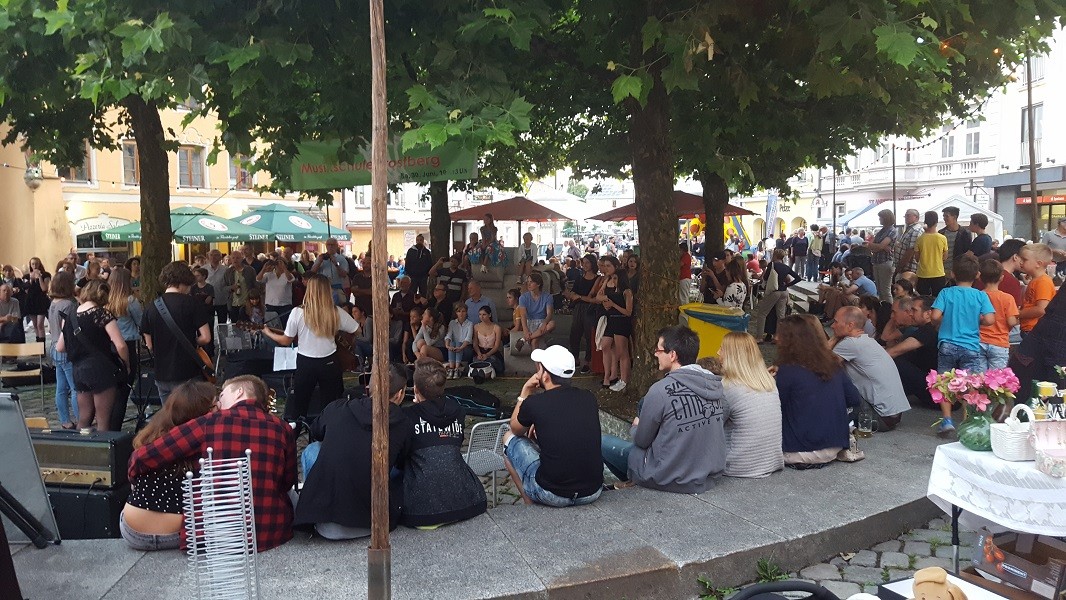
(440, 220)
(715, 197)
(660, 266)
(154, 169)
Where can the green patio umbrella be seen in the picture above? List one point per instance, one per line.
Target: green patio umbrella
(193, 225)
(287, 224)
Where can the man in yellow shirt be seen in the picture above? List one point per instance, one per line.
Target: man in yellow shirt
(931, 251)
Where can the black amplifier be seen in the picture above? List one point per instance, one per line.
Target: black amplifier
(98, 460)
(87, 514)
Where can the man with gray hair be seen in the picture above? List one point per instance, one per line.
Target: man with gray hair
(903, 250)
(869, 367)
(881, 247)
(475, 300)
(11, 331)
(334, 266)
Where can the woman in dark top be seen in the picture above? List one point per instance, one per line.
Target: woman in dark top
(617, 301)
(87, 339)
(815, 394)
(549, 252)
(633, 272)
(35, 284)
(438, 485)
(152, 518)
(582, 298)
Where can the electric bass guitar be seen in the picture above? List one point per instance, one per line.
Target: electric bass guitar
(345, 341)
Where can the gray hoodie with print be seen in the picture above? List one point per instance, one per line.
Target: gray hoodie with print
(679, 441)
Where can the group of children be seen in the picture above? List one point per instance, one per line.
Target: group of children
(975, 324)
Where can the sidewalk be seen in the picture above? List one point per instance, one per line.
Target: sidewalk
(632, 543)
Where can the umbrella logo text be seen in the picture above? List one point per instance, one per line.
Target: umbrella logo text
(212, 224)
(297, 221)
(251, 219)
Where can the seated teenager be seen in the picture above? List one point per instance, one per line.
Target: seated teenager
(488, 340)
(553, 448)
(815, 394)
(242, 422)
(752, 409)
(152, 518)
(679, 442)
(336, 495)
(438, 485)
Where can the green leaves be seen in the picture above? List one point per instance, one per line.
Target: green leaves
(650, 33)
(627, 86)
(898, 44)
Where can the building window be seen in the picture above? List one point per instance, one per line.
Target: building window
(1038, 129)
(240, 178)
(191, 167)
(973, 124)
(81, 173)
(1038, 69)
(947, 147)
(973, 143)
(131, 165)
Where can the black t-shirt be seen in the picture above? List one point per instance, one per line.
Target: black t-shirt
(567, 422)
(172, 361)
(925, 357)
(403, 301)
(201, 294)
(361, 281)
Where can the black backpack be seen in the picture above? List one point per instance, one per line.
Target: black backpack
(476, 401)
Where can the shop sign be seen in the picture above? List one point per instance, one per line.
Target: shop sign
(95, 224)
(1058, 199)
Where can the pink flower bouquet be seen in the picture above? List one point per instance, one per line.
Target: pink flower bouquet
(979, 390)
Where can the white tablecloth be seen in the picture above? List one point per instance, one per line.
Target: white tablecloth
(997, 494)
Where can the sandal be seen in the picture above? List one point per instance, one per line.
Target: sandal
(69, 426)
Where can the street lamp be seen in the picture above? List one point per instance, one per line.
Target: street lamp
(33, 178)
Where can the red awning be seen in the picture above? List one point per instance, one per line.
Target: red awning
(688, 206)
(518, 208)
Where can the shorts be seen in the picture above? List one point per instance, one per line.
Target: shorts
(525, 458)
(619, 325)
(94, 375)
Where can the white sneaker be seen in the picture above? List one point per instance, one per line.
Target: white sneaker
(618, 386)
(484, 269)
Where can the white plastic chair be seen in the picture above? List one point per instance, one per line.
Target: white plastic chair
(484, 454)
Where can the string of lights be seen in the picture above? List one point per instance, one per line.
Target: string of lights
(116, 184)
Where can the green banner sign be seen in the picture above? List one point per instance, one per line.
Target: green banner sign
(316, 166)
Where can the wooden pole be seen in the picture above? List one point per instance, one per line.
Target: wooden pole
(379, 557)
(1030, 126)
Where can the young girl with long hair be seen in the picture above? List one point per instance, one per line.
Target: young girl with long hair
(316, 324)
(152, 517)
(752, 409)
(36, 281)
(429, 341)
(617, 301)
(410, 332)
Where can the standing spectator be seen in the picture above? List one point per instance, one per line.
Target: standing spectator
(572, 251)
(814, 254)
(242, 422)
(438, 485)
(684, 288)
(679, 443)
(958, 237)
(582, 298)
(882, 245)
(752, 409)
(982, 242)
(362, 286)
(799, 248)
(995, 338)
(133, 265)
(777, 278)
(815, 395)
(418, 262)
(1041, 289)
(61, 290)
(1056, 240)
(35, 284)
(240, 279)
(553, 447)
(617, 301)
(129, 313)
(88, 336)
(205, 296)
(174, 363)
(277, 282)
(335, 267)
(216, 278)
(869, 367)
(931, 251)
(903, 250)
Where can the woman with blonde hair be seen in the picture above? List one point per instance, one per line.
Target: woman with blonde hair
(152, 517)
(128, 311)
(752, 409)
(316, 324)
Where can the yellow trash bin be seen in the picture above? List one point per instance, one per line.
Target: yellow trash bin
(712, 322)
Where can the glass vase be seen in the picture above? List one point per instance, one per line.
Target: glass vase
(975, 431)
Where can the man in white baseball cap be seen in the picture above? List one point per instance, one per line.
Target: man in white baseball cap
(563, 467)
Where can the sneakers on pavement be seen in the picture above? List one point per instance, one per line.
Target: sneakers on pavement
(946, 429)
(619, 386)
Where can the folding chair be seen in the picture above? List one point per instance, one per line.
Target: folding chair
(17, 351)
(484, 454)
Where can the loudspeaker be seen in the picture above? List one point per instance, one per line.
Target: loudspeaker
(93, 460)
(87, 514)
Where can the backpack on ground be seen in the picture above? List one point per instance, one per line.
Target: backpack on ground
(476, 401)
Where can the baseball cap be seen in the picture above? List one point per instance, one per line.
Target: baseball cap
(557, 360)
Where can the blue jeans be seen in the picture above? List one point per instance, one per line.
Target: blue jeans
(952, 356)
(309, 456)
(615, 453)
(812, 267)
(994, 357)
(525, 458)
(65, 387)
(466, 355)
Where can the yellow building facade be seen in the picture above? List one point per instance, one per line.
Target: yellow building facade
(70, 207)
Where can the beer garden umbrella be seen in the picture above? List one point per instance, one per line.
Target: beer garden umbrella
(687, 205)
(192, 225)
(286, 224)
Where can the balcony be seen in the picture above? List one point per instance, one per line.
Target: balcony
(969, 167)
(944, 170)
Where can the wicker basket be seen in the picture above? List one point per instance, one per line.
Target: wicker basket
(1013, 444)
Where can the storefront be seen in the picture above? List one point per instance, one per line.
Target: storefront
(1011, 197)
(87, 238)
(1051, 207)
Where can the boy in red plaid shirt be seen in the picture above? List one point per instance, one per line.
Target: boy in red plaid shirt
(242, 421)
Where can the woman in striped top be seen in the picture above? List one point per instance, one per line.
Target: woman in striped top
(752, 409)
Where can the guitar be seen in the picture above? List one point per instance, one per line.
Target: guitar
(345, 345)
(208, 369)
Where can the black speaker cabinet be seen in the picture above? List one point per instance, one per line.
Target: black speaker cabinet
(87, 514)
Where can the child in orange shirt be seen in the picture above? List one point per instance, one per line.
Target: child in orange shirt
(1041, 289)
(995, 338)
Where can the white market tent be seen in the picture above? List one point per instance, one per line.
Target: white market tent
(868, 219)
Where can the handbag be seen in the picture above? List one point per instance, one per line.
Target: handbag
(207, 368)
